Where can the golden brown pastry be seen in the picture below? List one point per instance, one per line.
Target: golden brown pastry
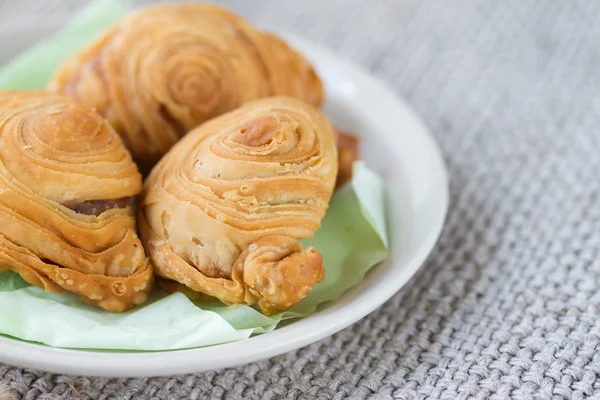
(347, 144)
(67, 185)
(166, 69)
(222, 212)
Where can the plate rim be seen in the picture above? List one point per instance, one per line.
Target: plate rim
(256, 348)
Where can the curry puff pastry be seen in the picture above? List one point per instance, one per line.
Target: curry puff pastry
(168, 68)
(66, 190)
(223, 211)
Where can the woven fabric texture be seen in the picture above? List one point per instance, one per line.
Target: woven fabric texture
(508, 304)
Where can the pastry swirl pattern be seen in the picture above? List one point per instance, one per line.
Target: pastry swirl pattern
(223, 211)
(168, 68)
(66, 188)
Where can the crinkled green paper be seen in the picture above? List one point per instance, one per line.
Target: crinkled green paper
(352, 239)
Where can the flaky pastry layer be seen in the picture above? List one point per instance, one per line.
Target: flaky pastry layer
(66, 188)
(166, 69)
(223, 211)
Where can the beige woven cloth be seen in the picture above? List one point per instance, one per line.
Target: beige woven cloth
(508, 305)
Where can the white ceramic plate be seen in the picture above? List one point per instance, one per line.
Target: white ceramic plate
(394, 143)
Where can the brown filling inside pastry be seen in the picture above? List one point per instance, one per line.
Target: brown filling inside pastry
(97, 207)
